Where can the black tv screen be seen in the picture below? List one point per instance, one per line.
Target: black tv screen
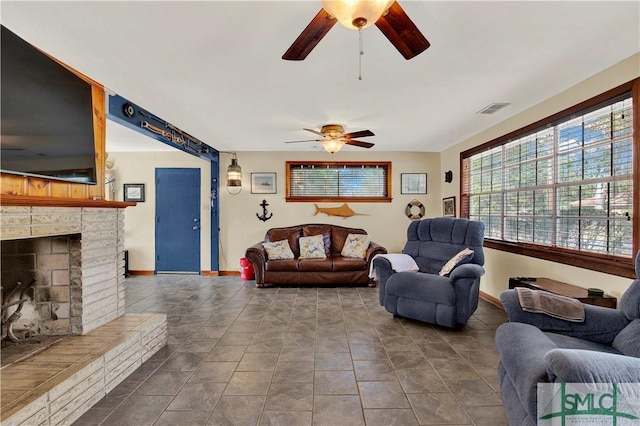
(46, 116)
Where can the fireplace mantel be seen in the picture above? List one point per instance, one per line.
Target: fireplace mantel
(21, 200)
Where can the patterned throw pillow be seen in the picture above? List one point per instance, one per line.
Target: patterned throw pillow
(278, 250)
(356, 245)
(464, 255)
(312, 247)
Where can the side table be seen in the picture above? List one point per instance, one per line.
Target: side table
(563, 289)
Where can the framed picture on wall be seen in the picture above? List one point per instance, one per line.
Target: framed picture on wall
(263, 183)
(133, 192)
(449, 206)
(413, 183)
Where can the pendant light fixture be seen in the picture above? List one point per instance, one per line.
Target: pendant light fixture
(234, 176)
(356, 14)
(332, 145)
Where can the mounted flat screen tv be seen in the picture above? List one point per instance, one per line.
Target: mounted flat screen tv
(46, 116)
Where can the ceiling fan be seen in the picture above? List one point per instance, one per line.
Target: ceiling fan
(387, 15)
(334, 138)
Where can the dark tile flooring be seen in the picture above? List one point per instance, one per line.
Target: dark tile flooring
(239, 355)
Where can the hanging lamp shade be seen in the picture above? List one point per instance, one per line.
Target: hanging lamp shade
(234, 174)
(356, 14)
(332, 146)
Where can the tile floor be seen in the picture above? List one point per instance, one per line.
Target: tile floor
(238, 355)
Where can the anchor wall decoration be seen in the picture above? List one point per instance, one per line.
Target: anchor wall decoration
(264, 216)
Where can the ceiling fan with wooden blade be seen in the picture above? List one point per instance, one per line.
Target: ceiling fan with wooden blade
(310, 36)
(360, 134)
(388, 16)
(361, 144)
(334, 137)
(402, 32)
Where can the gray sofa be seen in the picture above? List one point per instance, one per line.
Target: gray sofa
(537, 348)
(425, 295)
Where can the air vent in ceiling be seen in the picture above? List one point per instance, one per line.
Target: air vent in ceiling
(490, 109)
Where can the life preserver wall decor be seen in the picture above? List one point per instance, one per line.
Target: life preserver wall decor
(411, 208)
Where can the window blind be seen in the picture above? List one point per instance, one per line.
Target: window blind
(569, 185)
(335, 180)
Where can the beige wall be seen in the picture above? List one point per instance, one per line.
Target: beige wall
(502, 265)
(385, 222)
(139, 228)
(239, 226)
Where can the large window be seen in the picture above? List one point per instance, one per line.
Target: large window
(338, 181)
(562, 191)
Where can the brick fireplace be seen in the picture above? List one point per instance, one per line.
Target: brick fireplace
(75, 255)
(74, 250)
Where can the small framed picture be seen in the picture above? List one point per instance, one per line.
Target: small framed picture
(134, 192)
(263, 183)
(413, 183)
(449, 206)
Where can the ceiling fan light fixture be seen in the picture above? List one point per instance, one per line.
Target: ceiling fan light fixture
(333, 145)
(356, 14)
(332, 130)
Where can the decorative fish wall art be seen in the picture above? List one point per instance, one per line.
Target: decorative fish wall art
(343, 211)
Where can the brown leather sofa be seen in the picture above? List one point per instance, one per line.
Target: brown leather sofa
(334, 270)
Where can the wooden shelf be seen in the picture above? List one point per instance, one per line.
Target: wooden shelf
(21, 200)
(564, 289)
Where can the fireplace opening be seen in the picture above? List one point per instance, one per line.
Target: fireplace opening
(36, 294)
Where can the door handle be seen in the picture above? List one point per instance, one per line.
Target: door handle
(195, 219)
(195, 227)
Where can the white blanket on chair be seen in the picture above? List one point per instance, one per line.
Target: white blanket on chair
(399, 262)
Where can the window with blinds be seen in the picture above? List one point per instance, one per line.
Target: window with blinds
(338, 181)
(568, 185)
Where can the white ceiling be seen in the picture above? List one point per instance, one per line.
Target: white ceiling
(214, 68)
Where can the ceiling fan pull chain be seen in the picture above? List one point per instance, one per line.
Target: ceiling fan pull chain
(360, 55)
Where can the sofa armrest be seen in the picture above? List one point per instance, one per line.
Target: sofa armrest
(467, 270)
(465, 280)
(522, 348)
(257, 255)
(383, 271)
(374, 248)
(600, 325)
(584, 366)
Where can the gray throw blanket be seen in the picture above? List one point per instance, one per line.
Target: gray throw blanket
(543, 302)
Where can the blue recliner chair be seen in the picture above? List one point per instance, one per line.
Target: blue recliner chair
(537, 348)
(424, 295)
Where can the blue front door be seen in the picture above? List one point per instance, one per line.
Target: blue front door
(177, 220)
